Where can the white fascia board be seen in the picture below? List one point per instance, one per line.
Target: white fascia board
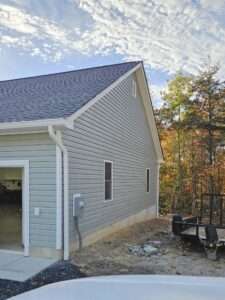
(36, 124)
(27, 131)
(78, 113)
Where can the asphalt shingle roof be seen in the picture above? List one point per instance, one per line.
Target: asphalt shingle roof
(55, 95)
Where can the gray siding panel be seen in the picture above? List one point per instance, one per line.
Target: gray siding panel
(41, 153)
(115, 129)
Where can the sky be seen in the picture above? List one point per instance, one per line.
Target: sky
(48, 36)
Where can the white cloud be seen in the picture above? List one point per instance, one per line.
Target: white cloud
(37, 35)
(168, 35)
(155, 91)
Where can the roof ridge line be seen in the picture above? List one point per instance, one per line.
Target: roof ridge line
(66, 72)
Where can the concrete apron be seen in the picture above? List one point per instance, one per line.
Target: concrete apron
(17, 267)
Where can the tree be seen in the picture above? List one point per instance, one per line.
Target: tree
(206, 112)
(172, 116)
(192, 129)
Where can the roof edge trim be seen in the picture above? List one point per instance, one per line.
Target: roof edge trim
(35, 124)
(151, 118)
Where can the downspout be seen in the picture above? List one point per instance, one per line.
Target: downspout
(65, 182)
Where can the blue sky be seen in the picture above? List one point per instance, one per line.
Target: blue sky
(45, 36)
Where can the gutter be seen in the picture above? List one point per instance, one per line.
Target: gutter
(65, 184)
(60, 122)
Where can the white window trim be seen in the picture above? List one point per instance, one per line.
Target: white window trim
(134, 88)
(147, 184)
(109, 200)
(24, 164)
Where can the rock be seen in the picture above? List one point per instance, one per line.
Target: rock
(178, 273)
(150, 250)
(156, 243)
(81, 266)
(211, 254)
(143, 250)
(134, 249)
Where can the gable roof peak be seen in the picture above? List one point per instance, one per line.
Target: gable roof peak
(57, 95)
(71, 71)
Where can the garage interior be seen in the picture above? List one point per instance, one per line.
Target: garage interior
(11, 209)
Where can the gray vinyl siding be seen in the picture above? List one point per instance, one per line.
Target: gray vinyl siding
(115, 129)
(41, 153)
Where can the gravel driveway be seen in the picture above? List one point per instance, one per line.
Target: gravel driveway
(58, 272)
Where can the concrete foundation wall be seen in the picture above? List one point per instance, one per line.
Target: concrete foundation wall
(144, 215)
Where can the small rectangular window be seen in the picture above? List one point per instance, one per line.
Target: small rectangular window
(108, 180)
(147, 180)
(134, 88)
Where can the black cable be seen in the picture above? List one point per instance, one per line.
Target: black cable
(76, 221)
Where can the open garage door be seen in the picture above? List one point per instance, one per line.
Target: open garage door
(11, 208)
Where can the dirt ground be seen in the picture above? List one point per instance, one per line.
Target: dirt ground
(111, 256)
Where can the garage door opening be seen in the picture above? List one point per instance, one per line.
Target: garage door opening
(11, 208)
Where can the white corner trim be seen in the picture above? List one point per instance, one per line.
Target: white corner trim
(69, 123)
(57, 139)
(26, 202)
(102, 94)
(66, 222)
(157, 188)
(59, 187)
(25, 197)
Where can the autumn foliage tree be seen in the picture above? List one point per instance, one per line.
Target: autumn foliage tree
(192, 130)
